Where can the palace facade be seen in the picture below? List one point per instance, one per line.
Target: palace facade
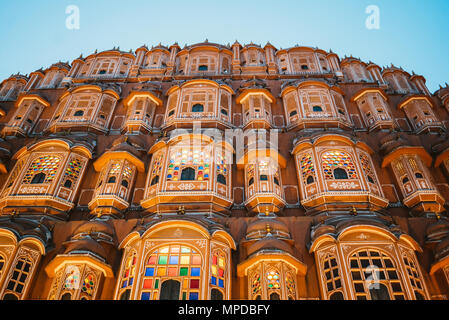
(216, 172)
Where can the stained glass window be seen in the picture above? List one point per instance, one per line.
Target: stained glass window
(198, 159)
(88, 287)
(218, 268)
(157, 167)
(256, 286)
(273, 280)
(291, 286)
(73, 171)
(172, 262)
(371, 266)
(72, 280)
(338, 159)
(222, 168)
(47, 165)
(307, 168)
(367, 168)
(129, 270)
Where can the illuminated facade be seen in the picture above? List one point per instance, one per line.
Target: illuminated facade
(215, 172)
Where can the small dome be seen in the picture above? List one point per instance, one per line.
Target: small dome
(261, 227)
(86, 244)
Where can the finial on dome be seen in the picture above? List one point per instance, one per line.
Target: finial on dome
(206, 41)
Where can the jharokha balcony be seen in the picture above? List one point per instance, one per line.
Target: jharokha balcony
(205, 101)
(189, 173)
(337, 174)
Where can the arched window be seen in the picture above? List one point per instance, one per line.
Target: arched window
(276, 181)
(310, 180)
(293, 113)
(170, 290)
(66, 296)
(405, 180)
(112, 179)
(19, 276)
(305, 67)
(370, 179)
(188, 174)
(68, 184)
(10, 296)
(336, 296)
(218, 270)
(333, 160)
(88, 287)
(203, 68)
(221, 179)
(340, 174)
(419, 175)
(125, 183)
(374, 276)
(155, 180)
(128, 275)
(275, 296)
(263, 177)
(198, 108)
(331, 274)
(216, 294)
(168, 262)
(317, 109)
(251, 181)
(79, 113)
(38, 178)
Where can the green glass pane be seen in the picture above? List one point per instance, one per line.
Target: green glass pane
(156, 284)
(162, 259)
(183, 271)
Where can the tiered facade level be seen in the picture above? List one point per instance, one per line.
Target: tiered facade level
(223, 172)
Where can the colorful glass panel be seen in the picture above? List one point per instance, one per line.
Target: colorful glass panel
(196, 158)
(45, 164)
(338, 159)
(176, 262)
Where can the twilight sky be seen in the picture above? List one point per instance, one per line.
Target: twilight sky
(413, 34)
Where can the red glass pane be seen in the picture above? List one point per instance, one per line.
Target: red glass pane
(194, 284)
(148, 284)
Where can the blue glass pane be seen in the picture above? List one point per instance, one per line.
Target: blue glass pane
(174, 260)
(125, 283)
(149, 272)
(213, 281)
(131, 281)
(145, 296)
(220, 283)
(193, 296)
(195, 272)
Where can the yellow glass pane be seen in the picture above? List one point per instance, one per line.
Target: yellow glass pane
(214, 270)
(186, 283)
(185, 259)
(221, 262)
(161, 271)
(155, 294)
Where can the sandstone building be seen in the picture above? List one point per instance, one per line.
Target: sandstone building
(216, 172)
